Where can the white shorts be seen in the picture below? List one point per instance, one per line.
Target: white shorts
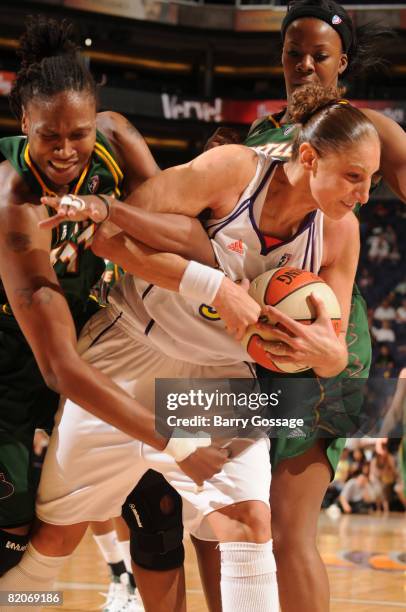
(91, 466)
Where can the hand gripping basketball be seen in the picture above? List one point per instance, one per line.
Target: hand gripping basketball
(284, 295)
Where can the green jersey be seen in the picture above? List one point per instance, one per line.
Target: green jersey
(75, 264)
(272, 137)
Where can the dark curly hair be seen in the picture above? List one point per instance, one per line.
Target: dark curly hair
(50, 63)
(328, 122)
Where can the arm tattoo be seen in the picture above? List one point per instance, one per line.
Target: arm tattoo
(18, 242)
(28, 297)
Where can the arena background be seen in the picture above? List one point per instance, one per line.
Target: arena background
(178, 70)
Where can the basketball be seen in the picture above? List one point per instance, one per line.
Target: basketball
(288, 289)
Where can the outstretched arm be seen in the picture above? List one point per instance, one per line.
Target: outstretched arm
(213, 180)
(43, 315)
(393, 156)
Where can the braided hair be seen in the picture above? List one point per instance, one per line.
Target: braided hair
(50, 63)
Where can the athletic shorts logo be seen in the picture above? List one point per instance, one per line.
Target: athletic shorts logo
(209, 313)
(336, 20)
(93, 184)
(6, 487)
(237, 247)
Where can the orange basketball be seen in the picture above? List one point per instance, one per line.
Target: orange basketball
(288, 289)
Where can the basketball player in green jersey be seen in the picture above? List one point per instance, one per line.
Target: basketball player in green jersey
(320, 44)
(66, 147)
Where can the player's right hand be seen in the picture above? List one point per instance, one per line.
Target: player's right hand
(204, 463)
(235, 307)
(83, 207)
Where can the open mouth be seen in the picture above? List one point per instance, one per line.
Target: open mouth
(351, 206)
(62, 167)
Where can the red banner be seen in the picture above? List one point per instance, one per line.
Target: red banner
(6, 80)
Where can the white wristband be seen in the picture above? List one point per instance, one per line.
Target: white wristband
(181, 444)
(200, 282)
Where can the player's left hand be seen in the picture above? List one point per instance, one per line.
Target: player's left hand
(73, 208)
(315, 345)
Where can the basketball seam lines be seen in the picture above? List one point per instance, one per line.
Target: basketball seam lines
(312, 282)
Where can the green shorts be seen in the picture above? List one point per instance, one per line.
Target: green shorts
(335, 406)
(26, 403)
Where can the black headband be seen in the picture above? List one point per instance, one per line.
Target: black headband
(332, 18)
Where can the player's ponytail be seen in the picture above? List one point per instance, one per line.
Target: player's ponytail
(328, 122)
(50, 63)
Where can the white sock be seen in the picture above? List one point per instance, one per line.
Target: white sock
(124, 546)
(248, 577)
(35, 572)
(109, 547)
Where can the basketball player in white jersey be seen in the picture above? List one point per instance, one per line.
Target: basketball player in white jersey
(150, 332)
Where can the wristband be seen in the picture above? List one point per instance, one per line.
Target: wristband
(200, 282)
(106, 203)
(181, 444)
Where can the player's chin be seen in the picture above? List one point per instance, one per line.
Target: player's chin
(338, 212)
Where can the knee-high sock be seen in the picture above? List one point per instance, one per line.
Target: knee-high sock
(35, 572)
(248, 577)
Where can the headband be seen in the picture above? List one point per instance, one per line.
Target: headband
(331, 17)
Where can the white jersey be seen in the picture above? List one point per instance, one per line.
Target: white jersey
(191, 331)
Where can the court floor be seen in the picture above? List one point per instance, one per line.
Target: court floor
(365, 557)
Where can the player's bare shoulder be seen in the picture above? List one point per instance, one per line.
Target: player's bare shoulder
(117, 130)
(235, 163)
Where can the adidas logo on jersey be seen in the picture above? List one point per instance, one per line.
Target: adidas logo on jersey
(284, 260)
(237, 247)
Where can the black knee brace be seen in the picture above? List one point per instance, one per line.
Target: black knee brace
(12, 548)
(153, 513)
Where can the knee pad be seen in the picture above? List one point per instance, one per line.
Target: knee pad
(153, 513)
(12, 548)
